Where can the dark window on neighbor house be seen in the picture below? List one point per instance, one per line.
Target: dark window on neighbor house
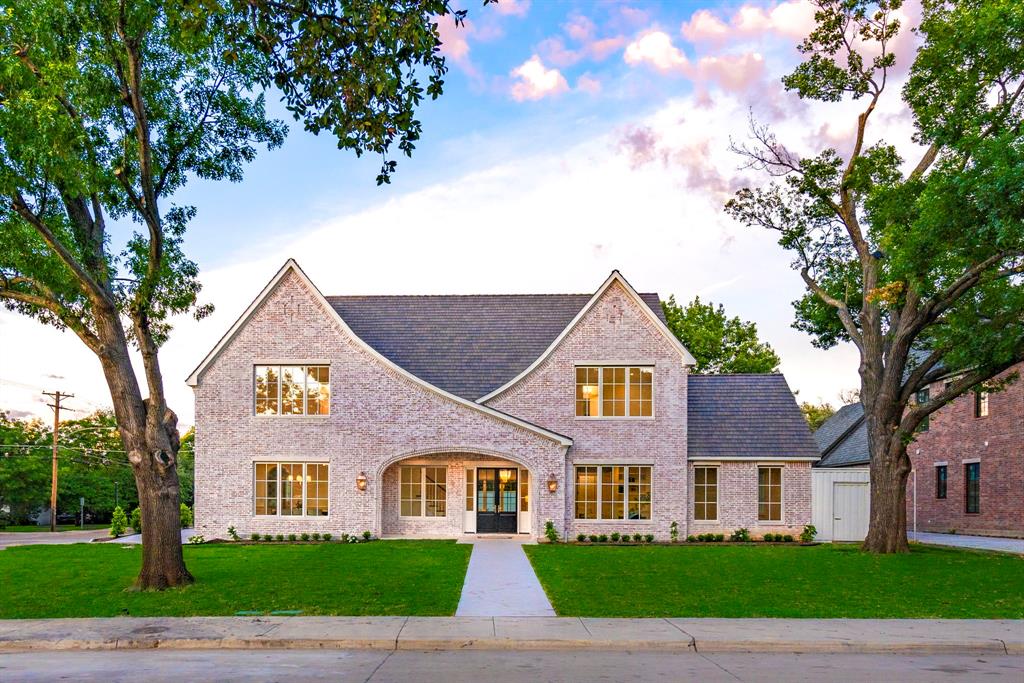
(940, 481)
(972, 477)
(922, 397)
(980, 404)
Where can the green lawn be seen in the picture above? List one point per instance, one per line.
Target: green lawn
(778, 581)
(33, 528)
(380, 578)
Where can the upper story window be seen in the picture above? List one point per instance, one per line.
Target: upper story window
(980, 404)
(615, 391)
(921, 398)
(293, 389)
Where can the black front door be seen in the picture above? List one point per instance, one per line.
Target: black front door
(497, 500)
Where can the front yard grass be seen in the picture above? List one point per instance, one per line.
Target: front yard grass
(422, 578)
(824, 581)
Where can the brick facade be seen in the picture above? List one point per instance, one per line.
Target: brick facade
(737, 499)
(956, 436)
(380, 418)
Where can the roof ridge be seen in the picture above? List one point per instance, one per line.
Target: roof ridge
(736, 374)
(437, 296)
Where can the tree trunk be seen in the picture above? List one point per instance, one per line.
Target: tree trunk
(890, 466)
(152, 447)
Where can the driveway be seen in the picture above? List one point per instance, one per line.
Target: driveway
(9, 538)
(136, 539)
(1003, 545)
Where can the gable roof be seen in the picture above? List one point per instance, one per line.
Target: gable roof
(658, 318)
(291, 266)
(746, 417)
(467, 345)
(843, 438)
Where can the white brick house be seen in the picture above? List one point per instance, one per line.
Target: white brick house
(441, 416)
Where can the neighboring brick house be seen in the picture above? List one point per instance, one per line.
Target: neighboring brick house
(444, 415)
(968, 461)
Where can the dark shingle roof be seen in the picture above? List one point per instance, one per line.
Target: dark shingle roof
(467, 345)
(746, 416)
(843, 438)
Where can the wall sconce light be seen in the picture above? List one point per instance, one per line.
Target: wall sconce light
(361, 481)
(552, 484)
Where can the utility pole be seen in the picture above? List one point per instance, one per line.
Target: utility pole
(57, 398)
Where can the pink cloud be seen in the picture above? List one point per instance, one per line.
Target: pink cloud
(535, 81)
(791, 19)
(555, 52)
(588, 84)
(453, 38)
(579, 28)
(634, 16)
(655, 48)
(515, 8)
(600, 49)
(732, 73)
(703, 27)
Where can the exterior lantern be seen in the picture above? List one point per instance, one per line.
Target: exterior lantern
(361, 481)
(552, 484)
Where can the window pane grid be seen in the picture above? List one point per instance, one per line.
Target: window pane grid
(615, 391)
(705, 493)
(613, 492)
(423, 491)
(292, 389)
(769, 494)
(291, 489)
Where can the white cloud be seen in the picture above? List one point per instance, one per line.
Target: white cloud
(655, 48)
(535, 81)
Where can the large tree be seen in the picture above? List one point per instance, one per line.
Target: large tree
(719, 343)
(916, 261)
(108, 107)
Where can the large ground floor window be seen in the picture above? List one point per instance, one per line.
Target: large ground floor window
(291, 489)
(769, 494)
(613, 492)
(423, 491)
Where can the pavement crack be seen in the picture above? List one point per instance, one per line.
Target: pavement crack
(382, 662)
(584, 624)
(693, 641)
(711, 661)
(1002, 642)
(397, 636)
(269, 630)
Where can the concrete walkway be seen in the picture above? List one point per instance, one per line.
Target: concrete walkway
(136, 539)
(1004, 545)
(825, 636)
(9, 538)
(500, 582)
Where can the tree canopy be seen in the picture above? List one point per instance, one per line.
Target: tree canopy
(917, 262)
(720, 344)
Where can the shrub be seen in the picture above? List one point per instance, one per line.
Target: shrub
(291, 537)
(603, 538)
(353, 539)
(233, 534)
(615, 537)
(304, 537)
(268, 537)
(344, 538)
(673, 531)
(787, 538)
(135, 520)
(367, 535)
(550, 531)
(196, 540)
(254, 536)
(637, 538)
(185, 516)
(280, 537)
(316, 535)
(808, 534)
(719, 538)
(327, 536)
(649, 538)
(768, 538)
(741, 535)
(593, 538)
(580, 538)
(624, 538)
(118, 522)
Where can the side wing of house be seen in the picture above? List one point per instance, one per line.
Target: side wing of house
(302, 427)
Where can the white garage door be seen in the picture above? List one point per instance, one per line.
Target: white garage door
(850, 501)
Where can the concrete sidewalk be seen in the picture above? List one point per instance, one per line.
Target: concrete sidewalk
(857, 636)
(1002, 545)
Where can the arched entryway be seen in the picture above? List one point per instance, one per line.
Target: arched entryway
(451, 493)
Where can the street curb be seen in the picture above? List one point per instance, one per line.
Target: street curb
(701, 636)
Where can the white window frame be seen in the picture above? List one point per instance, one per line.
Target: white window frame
(305, 396)
(718, 483)
(423, 488)
(305, 489)
(782, 495)
(625, 499)
(600, 390)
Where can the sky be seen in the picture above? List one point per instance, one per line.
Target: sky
(573, 138)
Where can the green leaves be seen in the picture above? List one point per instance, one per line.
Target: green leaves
(719, 343)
